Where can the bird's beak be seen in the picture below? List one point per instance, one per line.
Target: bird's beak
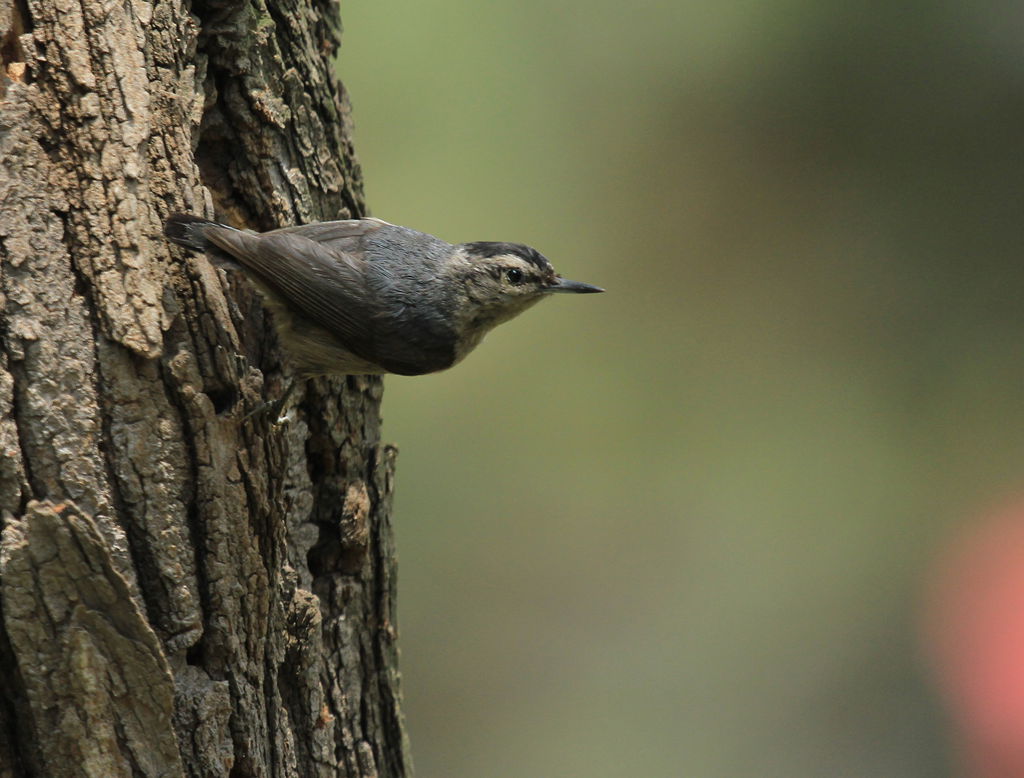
(577, 287)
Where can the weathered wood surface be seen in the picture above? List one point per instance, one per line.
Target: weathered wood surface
(182, 592)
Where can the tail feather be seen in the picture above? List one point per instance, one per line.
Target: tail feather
(188, 231)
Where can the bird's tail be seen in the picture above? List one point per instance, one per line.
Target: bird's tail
(188, 231)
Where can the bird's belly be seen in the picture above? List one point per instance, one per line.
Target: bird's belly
(314, 351)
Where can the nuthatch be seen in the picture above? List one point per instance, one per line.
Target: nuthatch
(366, 297)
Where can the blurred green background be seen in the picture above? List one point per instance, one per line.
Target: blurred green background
(682, 528)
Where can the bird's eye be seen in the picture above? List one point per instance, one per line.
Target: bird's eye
(514, 275)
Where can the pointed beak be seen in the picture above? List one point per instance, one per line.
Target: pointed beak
(577, 287)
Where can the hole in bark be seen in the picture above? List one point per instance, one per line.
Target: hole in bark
(330, 555)
(223, 399)
(194, 654)
(238, 771)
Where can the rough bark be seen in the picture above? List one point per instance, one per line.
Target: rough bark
(182, 591)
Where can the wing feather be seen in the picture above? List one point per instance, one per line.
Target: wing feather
(339, 235)
(326, 286)
(322, 272)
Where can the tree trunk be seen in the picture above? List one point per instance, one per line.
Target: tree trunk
(183, 591)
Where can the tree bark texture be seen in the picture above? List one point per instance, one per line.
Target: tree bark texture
(182, 591)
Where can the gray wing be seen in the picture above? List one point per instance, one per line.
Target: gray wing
(344, 235)
(321, 272)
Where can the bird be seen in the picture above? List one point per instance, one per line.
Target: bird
(363, 296)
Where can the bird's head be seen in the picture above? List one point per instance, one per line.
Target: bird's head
(504, 279)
